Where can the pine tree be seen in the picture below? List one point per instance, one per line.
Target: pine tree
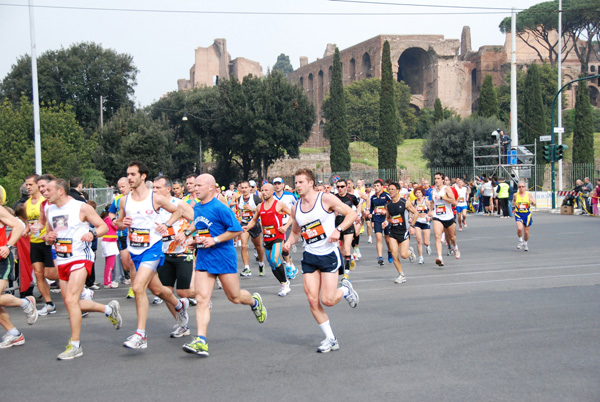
(532, 123)
(488, 102)
(388, 117)
(438, 111)
(336, 127)
(583, 134)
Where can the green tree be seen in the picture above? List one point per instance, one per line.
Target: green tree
(336, 127)
(283, 64)
(581, 24)
(438, 111)
(388, 118)
(532, 122)
(77, 76)
(488, 102)
(583, 133)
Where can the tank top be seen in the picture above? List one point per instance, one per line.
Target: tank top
(442, 209)
(398, 215)
(522, 204)
(462, 197)
(142, 232)
(169, 245)
(36, 231)
(271, 221)
(69, 228)
(422, 208)
(3, 239)
(316, 226)
(247, 208)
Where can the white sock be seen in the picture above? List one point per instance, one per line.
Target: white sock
(326, 328)
(247, 266)
(15, 332)
(76, 344)
(108, 310)
(345, 290)
(25, 303)
(179, 305)
(261, 264)
(521, 239)
(525, 243)
(142, 332)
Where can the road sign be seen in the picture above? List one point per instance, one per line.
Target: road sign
(559, 130)
(336, 178)
(545, 138)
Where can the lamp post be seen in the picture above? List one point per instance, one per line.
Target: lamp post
(185, 118)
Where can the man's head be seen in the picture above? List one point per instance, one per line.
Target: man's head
(278, 184)
(305, 181)
(76, 183)
(522, 187)
(267, 191)
(378, 186)
(178, 188)
(42, 183)
(57, 189)
(342, 187)
(252, 185)
(137, 173)
(123, 185)
(205, 187)
(162, 186)
(244, 188)
(31, 183)
(360, 183)
(438, 179)
(190, 183)
(231, 186)
(586, 180)
(393, 189)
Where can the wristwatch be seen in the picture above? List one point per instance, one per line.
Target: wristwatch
(340, 228)
(93, 232)
(187, 232)
(216, 239)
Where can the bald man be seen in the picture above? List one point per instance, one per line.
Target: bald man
(215, 227)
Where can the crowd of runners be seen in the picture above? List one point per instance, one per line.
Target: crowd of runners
(179, 239)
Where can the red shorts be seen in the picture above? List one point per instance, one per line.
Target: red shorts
(64, 271)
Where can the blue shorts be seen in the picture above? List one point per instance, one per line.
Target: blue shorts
(524, 218)
(378, 229)
(331, 262)
(154, 253)
(422, 226)
(460, 209)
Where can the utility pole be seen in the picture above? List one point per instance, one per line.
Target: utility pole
(36, 97)
(101, 113)
(514, 133)
(559, 99)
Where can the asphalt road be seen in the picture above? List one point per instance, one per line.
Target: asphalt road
(497, 325)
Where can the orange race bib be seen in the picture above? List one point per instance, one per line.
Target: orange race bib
(247, 215)
(313, 232)
(396, 220)
(461, 199)
(421, 209)
(64, 248)
(440, 209)
(269, 232)
(199, 235)
(169, 236)
(139, 237)
(380, 210)
(523, 207)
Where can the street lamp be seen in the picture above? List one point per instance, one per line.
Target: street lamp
(185, 118)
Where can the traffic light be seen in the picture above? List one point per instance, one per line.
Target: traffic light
(560, 149)
(548, 154)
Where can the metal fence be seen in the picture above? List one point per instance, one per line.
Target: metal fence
(101, 196)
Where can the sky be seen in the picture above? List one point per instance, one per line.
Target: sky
(161, 36)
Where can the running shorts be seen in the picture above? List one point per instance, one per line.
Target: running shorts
(324, 263)
(524, 217)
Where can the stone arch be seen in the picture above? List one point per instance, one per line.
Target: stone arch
(302, 82)
(365, 67)
(311, 86)
(411, 69)
(594, 96)
(321, 85)
(352, 71)
(416, 109)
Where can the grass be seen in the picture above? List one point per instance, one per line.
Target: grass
(569, 141)
(318, 150)
(409, 154)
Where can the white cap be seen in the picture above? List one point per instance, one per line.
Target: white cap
(252, 183)
(277, 180)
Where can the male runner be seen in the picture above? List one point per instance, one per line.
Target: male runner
(190, 186)
(271, 213)
(398, 210)
(247, 205)
(288, 199)
(216, 227)
(443, 218)
(313, 218)
(363, 201)
(113, 212)
(138, 213)
(462, 204)
(347, 235)
(179, 265)
(377, 213)
(12, 337)
(68, 229)
(522, 201)
(177, 189)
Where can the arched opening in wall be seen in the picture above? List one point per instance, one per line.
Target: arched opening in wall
(416, 109)
(411, 69)
(474, 81)
(320, 85)
(310, 82)
(592, 69)
(330, 74)
(594, 96)
(302, 82)
(352, 69)
(365, 68)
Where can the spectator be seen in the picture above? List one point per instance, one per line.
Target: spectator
(90, 282)
(505, 141)
(595, 198)
(76, 190)
(109, 250)
(24, 196)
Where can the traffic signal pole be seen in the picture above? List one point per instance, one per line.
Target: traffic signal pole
(552, 143)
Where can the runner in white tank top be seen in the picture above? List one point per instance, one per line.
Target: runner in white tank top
(443, 217)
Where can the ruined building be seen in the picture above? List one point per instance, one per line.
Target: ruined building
(214, 63)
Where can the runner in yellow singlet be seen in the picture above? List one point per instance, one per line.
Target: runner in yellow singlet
(522, 202)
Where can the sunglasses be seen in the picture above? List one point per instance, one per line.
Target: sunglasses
(341, 186)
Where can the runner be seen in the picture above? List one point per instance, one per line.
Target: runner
(271, 213)
(12, 337)
(216, 227)
(289, 199)
(377, 212)
(313, 219)
(113, 212)
(363, 200)
(138, 212)
(462, 204)
(422, 226)
(347, 235)
(247, 205)
(522, 201)
(443, 217)
(68, 229)
(368, 221)
(398, 210)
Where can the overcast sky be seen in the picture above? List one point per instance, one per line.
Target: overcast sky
(162, 43)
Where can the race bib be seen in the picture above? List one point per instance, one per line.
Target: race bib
(199, 235)
(396, 220)
(139, 237)
(64, 248)
(523, 207)
(380, 210)
(421, 209)
(313, 232)
(440, 209)
(169, 236)
(269, 232)
(461, 199)
(247, 215)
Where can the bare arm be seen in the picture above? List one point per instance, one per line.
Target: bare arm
(90, 215)
(333, 204)
(295, 235)
(17, 230)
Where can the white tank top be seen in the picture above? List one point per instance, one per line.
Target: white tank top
(462, 197)
(247, 208)
(69, 228)
(441, 209)
(422, 208)
(169, 245)
(316, 226)
(142, 232)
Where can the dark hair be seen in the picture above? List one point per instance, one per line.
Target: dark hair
(104, 212)
(75, 181)
(167, 179)
(62, 183)
(142, 168)
(193, 176)
(306, 172)
(32, 176)
(47, 177)
(395, 184)
(92, 204)
(439, 174)
(378, 181)
(177, 181)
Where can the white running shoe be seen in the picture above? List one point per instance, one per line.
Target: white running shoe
(115, 317)
(48, 309)
(31, 311)
(421, 260)
(178, 331)
(412, 257)
(525, 247)
(285, 289)
(328, 345)
(8, 340)
(86, 294)
(294, 248)
(136, 341)
(352, 297)
(400, 279)
(219, 285)
(182, 315)
(520, 245)
(370, 240)
(428, 249)
(357, 253)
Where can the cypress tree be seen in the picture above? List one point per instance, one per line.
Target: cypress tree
(388, 117)
(336, 127)
(438, 111)
(488, 101)
(532, 123)
(583, 133)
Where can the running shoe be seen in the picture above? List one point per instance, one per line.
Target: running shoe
(400, 279)
(439, 261)
(288, 271)
(328, 345)
(182, 315)
(352, 265)
(285, 289)
(130, 294)
(178, 331)
(256, 255)
(449, 252)
(259, 311)
(357, 252)
(421, 260)
(346, 276)
(86, 294)
(157, 300)
(8, 340)
(70, 352)
(390, 257)
(115, 317)
(370, 240)
(112, 285)
(525, 247)
(294, 248)
(457, 253)
(261, 270)
(136, 341)
(294, 271)
(412, 257)
(94, 287)
(193, 301)
(428, 249)
(380, 261)
(352, 297)
(246, 272)
(219, 284)
(48, 309)
(31, 311)
(465, 225)
(460, 228)
(520, 245)
(196, 347)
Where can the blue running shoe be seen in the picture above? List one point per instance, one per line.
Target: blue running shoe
(294, 272)
(390, 258)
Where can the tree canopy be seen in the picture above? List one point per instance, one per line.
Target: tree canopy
(389, 129)
(583, 133)
(283, 64)
(488, 102)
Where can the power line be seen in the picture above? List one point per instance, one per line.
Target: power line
(275, 13)
(424, 5)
